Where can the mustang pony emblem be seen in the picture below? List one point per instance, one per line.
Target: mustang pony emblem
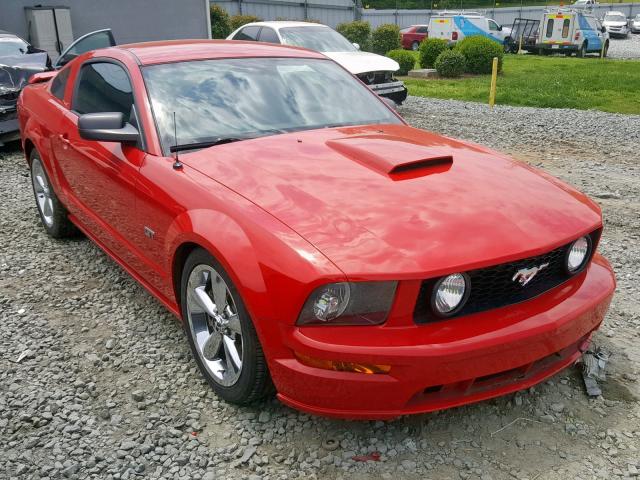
(525, 275)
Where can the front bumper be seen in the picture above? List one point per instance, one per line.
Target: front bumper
(396, 91)
(445, 364)
(9, 126)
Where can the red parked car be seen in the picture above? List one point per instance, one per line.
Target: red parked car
(306, 236)
(413, 35)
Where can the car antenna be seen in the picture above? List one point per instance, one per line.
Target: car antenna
(177, 164)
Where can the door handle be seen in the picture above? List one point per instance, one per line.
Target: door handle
(64, 138)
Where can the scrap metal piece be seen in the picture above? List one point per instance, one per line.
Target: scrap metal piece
(594, 362)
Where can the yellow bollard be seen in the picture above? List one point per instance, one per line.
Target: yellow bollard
(494, 79)
(520, 45)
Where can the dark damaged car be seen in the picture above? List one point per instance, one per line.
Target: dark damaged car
(18, 61)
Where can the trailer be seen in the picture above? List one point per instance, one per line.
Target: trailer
(524, 36)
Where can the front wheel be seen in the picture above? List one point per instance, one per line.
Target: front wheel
(415, 46)
(220, 332)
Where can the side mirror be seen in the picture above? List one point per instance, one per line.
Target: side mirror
(357, 45)
(499, 28)
(107, 127)
(603, 29)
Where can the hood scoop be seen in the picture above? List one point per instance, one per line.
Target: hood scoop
(394, 157)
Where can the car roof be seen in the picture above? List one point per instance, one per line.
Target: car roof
(150, 53)
(277, 24)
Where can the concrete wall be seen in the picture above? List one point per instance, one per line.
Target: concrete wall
(504, 16)
(130, 20)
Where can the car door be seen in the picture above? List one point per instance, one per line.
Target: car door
(99, 178)
(494, 29)
(90, 41)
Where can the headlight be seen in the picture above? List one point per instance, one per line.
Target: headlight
(578, 254)
(450, 294)
(355, 303)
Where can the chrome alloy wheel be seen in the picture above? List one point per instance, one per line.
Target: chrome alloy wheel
(43, 192)
(214, 325)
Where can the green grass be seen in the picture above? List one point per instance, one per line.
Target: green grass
(551, 82)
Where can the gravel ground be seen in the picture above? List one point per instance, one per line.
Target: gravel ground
(96, 379)
(625, 48)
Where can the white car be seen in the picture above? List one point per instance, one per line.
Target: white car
(584, 4)
(616, 24)
(374, 70)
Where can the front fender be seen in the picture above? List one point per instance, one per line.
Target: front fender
(273, 268)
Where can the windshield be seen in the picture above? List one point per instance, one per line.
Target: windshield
(10, 46)
(614, 18)
(320, 39)
(251, 97)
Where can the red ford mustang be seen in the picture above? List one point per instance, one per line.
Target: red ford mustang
(307, 237)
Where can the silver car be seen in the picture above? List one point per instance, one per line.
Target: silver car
(616, 24)
(635, 24)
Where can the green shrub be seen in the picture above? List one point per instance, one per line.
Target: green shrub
(385, 38)
(479, 52)
(405, 59)
(239, 20)
(450, 63)
(356, 32)
(220, 27)
(430, 48)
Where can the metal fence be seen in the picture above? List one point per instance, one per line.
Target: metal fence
(334, 12)
(504, 16)
(330, 13)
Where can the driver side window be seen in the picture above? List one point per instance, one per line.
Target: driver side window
(493, 26)
(103, 87)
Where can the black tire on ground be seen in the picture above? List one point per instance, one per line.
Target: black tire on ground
(415, 46)
(56, 222)
(583, 50)
(606, 49)
(509, 47)
(254, 382)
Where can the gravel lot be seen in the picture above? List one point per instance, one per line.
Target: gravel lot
(625, 48)
(96, 379)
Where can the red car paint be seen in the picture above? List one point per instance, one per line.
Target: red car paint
(287, 213)
(412, 35)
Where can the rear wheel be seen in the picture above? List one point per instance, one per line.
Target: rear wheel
(583, 50)
(415, 46)
(220, 332)
(508, 46)
(53, 215)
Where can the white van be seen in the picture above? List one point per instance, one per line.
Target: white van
(454, 26)
(571, 31)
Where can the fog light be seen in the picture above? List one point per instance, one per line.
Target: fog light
(449, 294)
(341, 366)
(578, 254)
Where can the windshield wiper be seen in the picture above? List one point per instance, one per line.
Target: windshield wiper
(208, 143)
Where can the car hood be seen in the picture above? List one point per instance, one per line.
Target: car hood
(362, 62)
(614, 24)
(15, 71)
(394, 201)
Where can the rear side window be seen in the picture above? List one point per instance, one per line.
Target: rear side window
(550, 28)
(59, 83)
(268, 35)
(103, 87)
(247, 33)
(565, 28)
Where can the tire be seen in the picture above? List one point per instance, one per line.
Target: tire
(583, 51)
(53, 215)
(508, 47)
(606, 49)
(217, 345)
(415, 46)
